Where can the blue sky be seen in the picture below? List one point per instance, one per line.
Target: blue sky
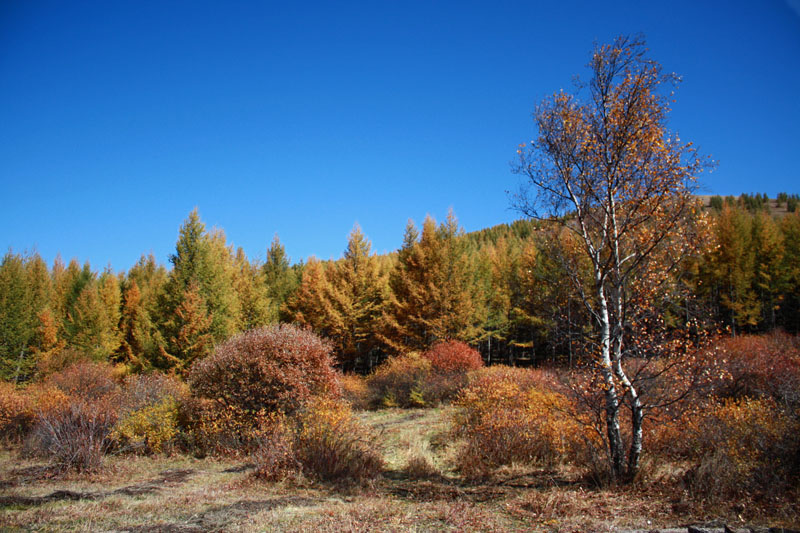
(117, 118)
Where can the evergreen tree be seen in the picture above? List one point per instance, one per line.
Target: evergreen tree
(95, 316)
(17, 327)
(203, 261)
(254, 302)
(192, 324)
(790, 309)
(280, 279)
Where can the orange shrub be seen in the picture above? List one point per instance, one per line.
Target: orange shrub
(400, 381)
(507, 416)
(323, 440)
(276, 368)
(16, 412)
(212, 428)
(330, 444)
(355, 390)
(744, 445)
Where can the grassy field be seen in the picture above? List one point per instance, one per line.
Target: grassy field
(185, 494)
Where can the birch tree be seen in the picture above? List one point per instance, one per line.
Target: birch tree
(605, 168)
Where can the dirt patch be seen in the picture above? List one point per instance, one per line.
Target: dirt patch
(238, 469)
(408, 418)
(220, 518)
(432, 491)
(30, 501)
(168, 478)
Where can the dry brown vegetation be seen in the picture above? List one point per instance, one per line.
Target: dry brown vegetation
(181, 493)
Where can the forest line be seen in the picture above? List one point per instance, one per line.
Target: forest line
(498, 289)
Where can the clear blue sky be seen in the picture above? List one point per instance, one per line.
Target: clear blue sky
(301, 118)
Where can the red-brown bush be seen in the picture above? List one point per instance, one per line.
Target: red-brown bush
(451, 361)
(87, 380)
(276, 368)
(453, 357)
(765, 366)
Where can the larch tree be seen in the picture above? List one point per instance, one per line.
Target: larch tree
(254, 301)
(95, 316)
(310, 305)
(143, 312)
(433, 290)
(191, 323)
(790, 308)
(357, 292)
(605, 168)
(733, 264)
(768, 259)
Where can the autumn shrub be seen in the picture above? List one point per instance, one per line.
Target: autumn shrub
(277, 368)
(766, 366)
(508, 416)
(275, 457)
(213, 429)
(148, 429)
(451, 361)
(355, 390)
(143, 390)
(400, 382)
(75, 435)
(54, 361)
(323, 441)
(236, 390)
(85, 379)
(16, 413)
(149, 405)
(330, 443)
(743, 445)
(453, 357)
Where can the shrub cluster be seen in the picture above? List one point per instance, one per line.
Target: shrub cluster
(323, 440)
(419, 380)
(512, 415)
(743, 445)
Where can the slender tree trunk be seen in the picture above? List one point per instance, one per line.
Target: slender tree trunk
(19, 365)
(612, 402)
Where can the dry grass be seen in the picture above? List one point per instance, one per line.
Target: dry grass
(185, 494)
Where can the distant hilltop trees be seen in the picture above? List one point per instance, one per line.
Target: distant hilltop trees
(784, 203)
